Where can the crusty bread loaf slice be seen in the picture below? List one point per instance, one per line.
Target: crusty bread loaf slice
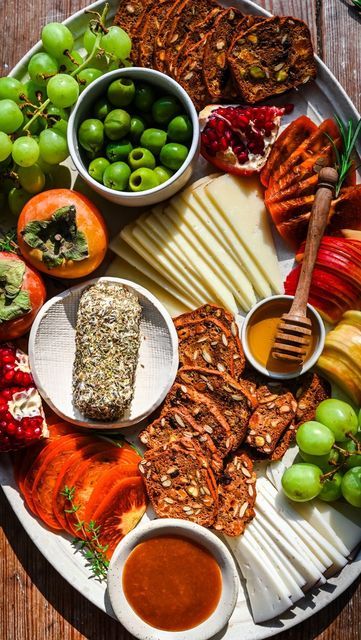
(150, 30)
(236, 496)
(275, 412)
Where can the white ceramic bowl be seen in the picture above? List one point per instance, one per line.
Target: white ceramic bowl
(230, 580)
(52, 352)
(82, 110)
(307, 365)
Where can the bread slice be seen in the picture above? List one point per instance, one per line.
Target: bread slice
(309, 391)
(176, 424)
(204, 311)
(208, 343)
(275, 412)
(151, 28)
(236, 496)
(205, 413)
(129, 15)
(160, 40)
(272, 57)
(284, 443)
(180, 483)
(233, 400)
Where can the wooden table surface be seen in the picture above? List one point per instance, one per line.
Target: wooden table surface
(36, 603)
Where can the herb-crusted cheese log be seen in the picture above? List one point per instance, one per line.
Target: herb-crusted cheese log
(107, 344)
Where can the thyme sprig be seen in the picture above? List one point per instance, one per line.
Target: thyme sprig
(357, 4)
(349, 135)
(89, 543)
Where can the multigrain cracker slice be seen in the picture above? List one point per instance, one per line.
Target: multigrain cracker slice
(275, 412)
(309, 390)
(272, 57)
(191, 75)
(151, 28)
(208, 343)
(129, 16)
(160, 40)
(180, 483)
(236, 496)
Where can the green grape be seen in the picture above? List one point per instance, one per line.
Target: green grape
(44, 166)
(35, 93)
(66, 63)
(87, 76)
(319, 461)
(25, 151)
(55, 113)
(117, 43)
(100, 61)
(61, 126)
(331, 488)
(57, 39)
(302, 482)
(351, 446)
(17, 199)
(32, 179)
(53, 146)
(41, 68)
(351, 486)
(314, 438)
(35, 127)
(89, 40)
(5, 146)
(11, 89)
(337, 416)
(63, 90)
(11, 117)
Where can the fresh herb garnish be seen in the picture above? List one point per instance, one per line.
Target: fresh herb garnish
(349, 135)
(89, 543)
(357, 4)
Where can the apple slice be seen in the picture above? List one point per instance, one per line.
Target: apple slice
(338, 369)
(351, 234)
(339, 264)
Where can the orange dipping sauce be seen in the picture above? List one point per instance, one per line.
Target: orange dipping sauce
(172, 583)
(262, 330)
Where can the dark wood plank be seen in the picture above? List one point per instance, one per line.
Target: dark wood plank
(36, 603)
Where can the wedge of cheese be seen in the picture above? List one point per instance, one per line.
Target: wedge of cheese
(124, 251)
(211, 216)
(119, 268)
(241, 202)
(206, 242)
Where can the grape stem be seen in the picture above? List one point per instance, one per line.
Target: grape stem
(331, 473)
(82, 66)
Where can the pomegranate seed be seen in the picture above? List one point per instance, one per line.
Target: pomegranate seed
(242, 157)
(3, 406)
(37, 431)
(8, 358)
(8, 377)
(6, 394)
(11, 428)
(19, 433)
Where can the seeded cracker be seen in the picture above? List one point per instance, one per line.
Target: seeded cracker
(236, 496)
(107, 344)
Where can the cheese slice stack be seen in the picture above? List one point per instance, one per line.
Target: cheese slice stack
(210, 243)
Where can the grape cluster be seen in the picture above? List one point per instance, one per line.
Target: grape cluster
(330, 453)
(34, 115)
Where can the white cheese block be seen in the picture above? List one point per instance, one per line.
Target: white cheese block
(159, 263)
(189, 223)
(125, 251)
(241, 201)
(211, 216)
(335, 524)
(267, 593)
(119, 268)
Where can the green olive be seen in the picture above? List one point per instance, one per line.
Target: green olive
(180, 129)
(117, 124)
(153, 139)
(116, 176)
(144, 96)
(121, 92)
(101, 108)
(173, 155)
(141, 158)
(165, 108)
(163, 174)
(97, 167)
(143, 179)
(120, 150)
(91, 135)
(137, 126)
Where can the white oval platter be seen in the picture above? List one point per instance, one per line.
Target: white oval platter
(319, 100)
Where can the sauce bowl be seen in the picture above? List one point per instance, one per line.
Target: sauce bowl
(317, 324)
(194, 532)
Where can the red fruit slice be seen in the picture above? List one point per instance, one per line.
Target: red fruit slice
(45, 480)
(87, 477)
(105, 484)
(328, 310)
(67, 474)
(287, 142)
(328, 282)
(339, 264)
(294, 231)
(120, 512)
(290, 209)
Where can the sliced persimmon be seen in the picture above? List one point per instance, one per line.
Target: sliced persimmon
(106, 483)
(287, 142)
(290, 209)
(87, 477)
(345, 211)
(45, 480)
(120, 511)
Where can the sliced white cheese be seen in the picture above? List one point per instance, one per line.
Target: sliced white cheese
(119, 268)
(241, 201)
(159, 263)
(325, 552)
(211, 216)
(267, 593)
(191, 257)
(274, 473)
(207, 242)
(279, 561)
(125, 251)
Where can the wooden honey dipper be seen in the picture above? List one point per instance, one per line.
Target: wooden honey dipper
(294, 331)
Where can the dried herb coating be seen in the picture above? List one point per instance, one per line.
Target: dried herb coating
(107, 344)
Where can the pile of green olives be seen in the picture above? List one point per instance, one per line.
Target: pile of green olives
(136, 138)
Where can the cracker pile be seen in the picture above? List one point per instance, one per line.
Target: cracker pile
(218, 418)
(216, 53)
